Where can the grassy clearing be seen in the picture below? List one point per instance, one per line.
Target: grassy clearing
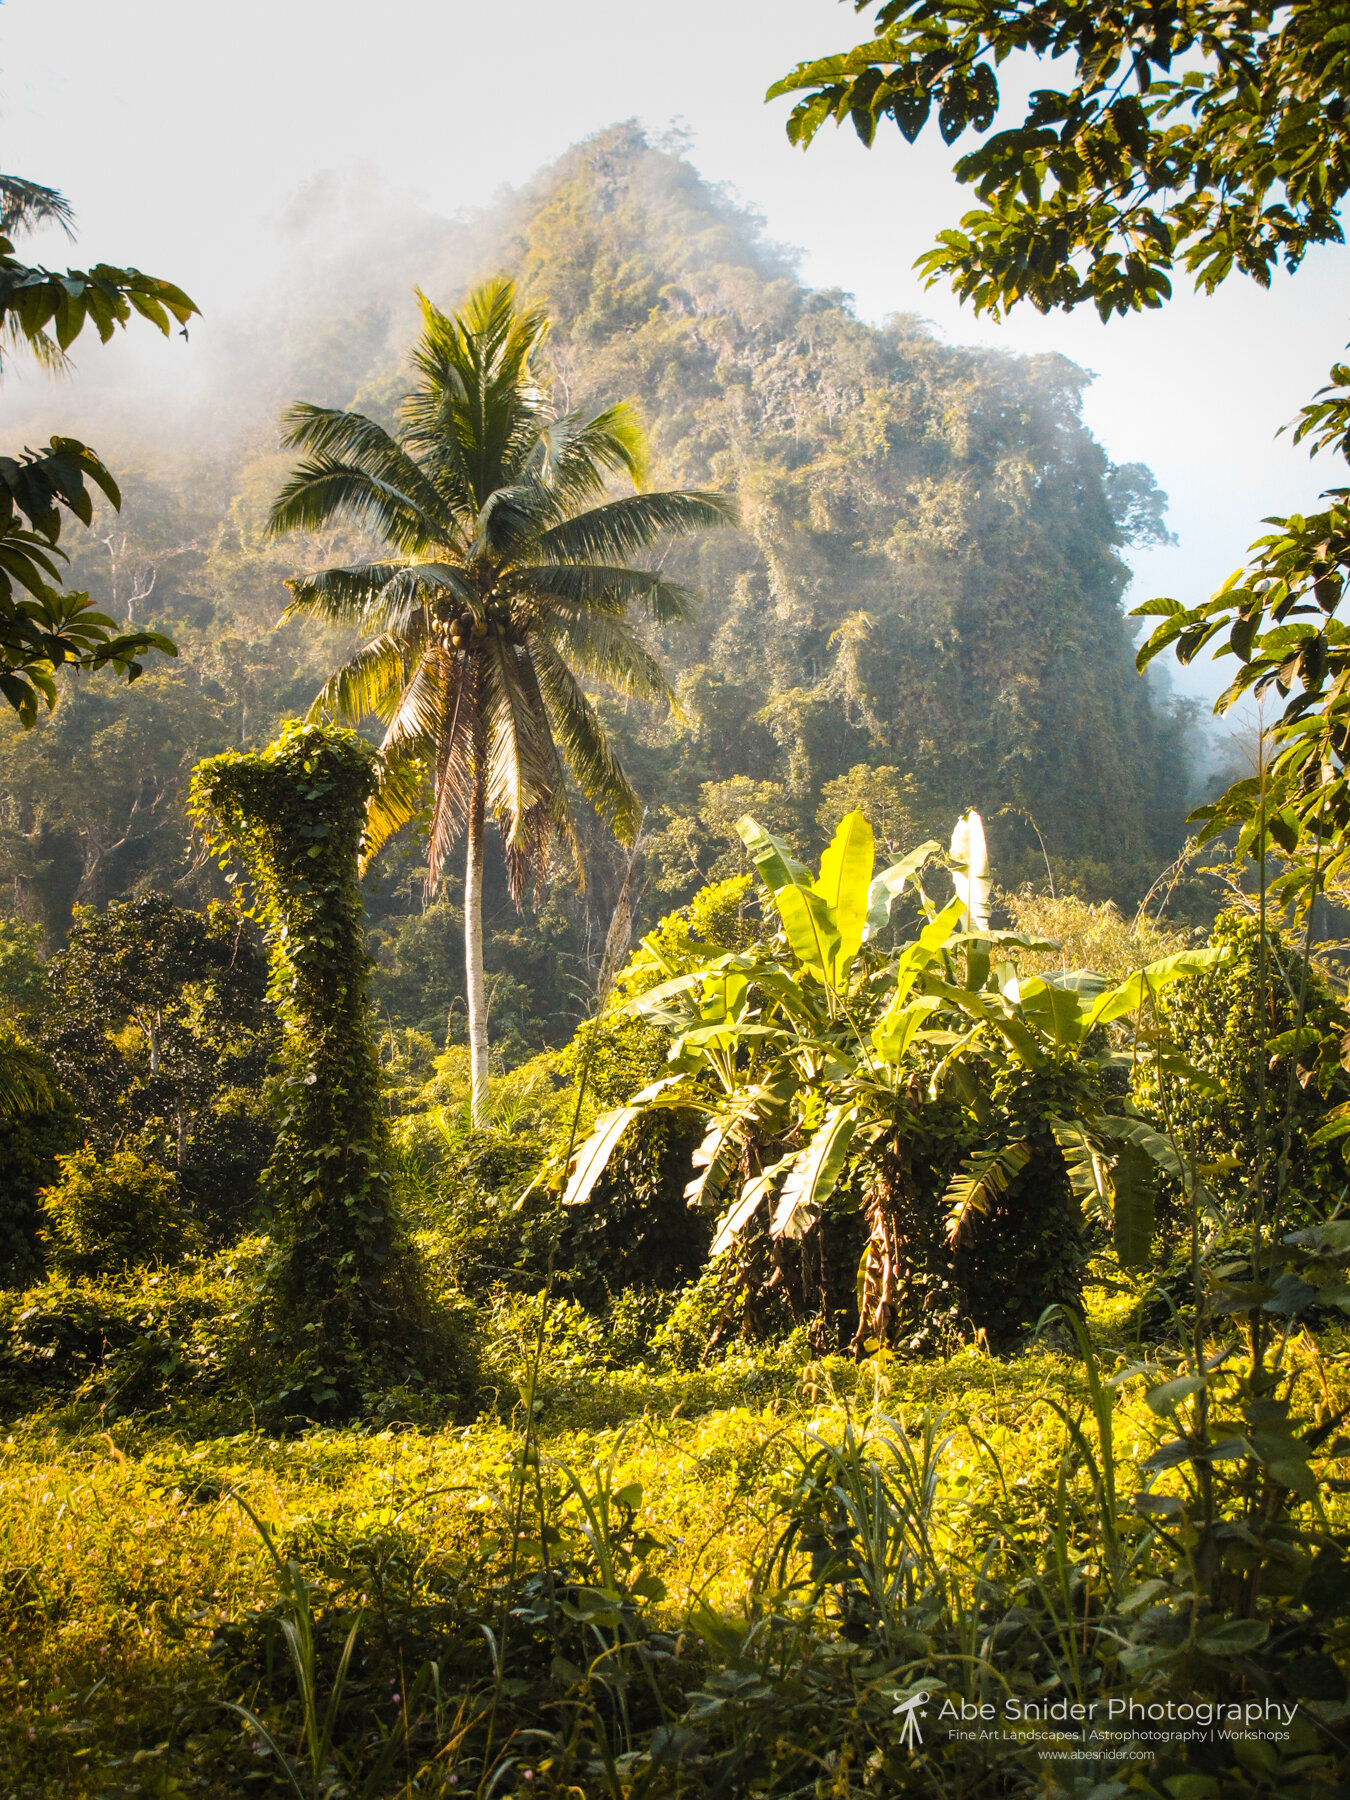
(137, 1591)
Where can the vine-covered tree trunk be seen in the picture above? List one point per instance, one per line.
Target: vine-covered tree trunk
(341, 1308)
(474, 985)
(880, 1287)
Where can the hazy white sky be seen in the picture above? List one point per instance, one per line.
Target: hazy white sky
(180, 129)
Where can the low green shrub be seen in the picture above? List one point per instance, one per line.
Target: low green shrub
(151, 1339)
(1241, 1038)
(118, 1213)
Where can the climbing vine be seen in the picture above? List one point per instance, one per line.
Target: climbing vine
(342, 1305)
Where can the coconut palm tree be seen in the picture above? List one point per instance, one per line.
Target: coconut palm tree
(506, 584)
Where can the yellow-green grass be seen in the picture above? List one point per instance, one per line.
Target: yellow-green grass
(123, 1547)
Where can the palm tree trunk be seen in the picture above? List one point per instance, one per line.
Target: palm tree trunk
(473, 957)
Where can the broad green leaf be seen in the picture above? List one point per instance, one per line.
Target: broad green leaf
(1160, 1150)
(1232, 1637)
(667, 990)
(1132, 1188)
(777, 868)
(994, 1011)
(808, 919)
(1057, 1013)
(1171, 1393)
(1146, 983)
(723, 996)
(970, 869)
(982, 1177)
(894, 1035)
(1088, 1167)
(814, 1173)
(1335, 1125)
(845, 872)
(810, 926)
(588, 1163)
(916, 957)
(739, 1215)
(714, 1159)
(722, 1036)
(886, 888)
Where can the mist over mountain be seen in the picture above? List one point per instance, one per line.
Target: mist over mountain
(921, 610)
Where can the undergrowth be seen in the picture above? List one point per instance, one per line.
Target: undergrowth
(726, 1581)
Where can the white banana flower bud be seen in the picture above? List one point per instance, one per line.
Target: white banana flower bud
(972, 878)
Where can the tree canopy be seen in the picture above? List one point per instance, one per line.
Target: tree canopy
(1196, 135)
(42, 311)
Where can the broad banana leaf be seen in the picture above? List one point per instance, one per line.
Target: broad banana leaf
(916, 957)
(1089, 1168)
(845, 875)
(808, 919)
(715, 1158)
(777, 868)
(738, 1216)
(1086, 982)
(1132, 1183)
(981, 1178)
(723, 996)
(1160, 1150)
(1117, 1185)
(1335, 1125)
(814, 1173)
(993, 1010)
(886, 888)
(1148, 982)
(724, 1036)
(588, 1163)
(1057, 1013)
(896, 1032)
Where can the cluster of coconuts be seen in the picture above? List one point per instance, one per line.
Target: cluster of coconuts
(467, 631)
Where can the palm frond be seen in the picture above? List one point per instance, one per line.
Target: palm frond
(44, 349)
(459, 757)
(573, 454)
(24, 205)
(578, 733)
(342, 596)
(349, 440)
(400, 794)
(369, 682)
(521, 767)
(24, 1086)
(529, 854)
(512, 521)
(378, 596)
(478, 412)
(415, 721)
(606, 588)
(321, 490)
(600, 645)
(551, 819)
(621, 528)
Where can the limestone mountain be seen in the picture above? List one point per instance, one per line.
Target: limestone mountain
(924, 595)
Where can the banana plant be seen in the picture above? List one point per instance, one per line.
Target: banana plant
(812, 1057)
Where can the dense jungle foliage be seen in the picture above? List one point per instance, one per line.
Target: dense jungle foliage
(927, 583)
(882, 1329)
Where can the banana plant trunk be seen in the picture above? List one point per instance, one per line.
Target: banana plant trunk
(473, 958)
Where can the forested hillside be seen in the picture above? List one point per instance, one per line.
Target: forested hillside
(921, 611)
